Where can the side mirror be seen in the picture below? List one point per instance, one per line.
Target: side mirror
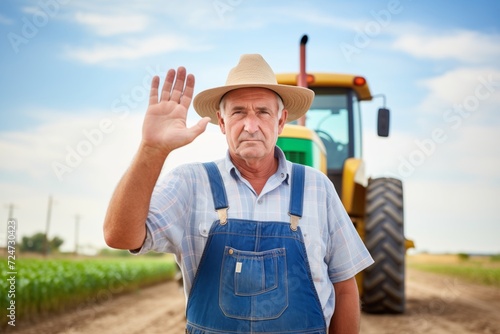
(383, 122)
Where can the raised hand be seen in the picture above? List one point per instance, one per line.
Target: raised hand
(164, 127)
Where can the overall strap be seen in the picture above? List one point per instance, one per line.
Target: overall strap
(218, 191)
(296, 195)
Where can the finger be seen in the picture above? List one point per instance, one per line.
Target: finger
(167, 85)
(179, 85)
(153, 94)
(187, 96)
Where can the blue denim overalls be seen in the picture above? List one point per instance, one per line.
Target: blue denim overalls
(254, 276)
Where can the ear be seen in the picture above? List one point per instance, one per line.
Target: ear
(282, 121)
(220, 120)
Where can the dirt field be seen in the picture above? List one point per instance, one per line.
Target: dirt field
(435, 304)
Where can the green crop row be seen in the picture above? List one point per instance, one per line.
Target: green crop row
(475, 272)
(46, 286)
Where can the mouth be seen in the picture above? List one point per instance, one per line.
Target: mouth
(250, 141)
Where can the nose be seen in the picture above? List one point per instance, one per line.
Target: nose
(251, 123)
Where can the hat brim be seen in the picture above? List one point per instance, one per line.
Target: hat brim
(296, 100)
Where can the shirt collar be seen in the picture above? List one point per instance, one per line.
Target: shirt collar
(284, 168)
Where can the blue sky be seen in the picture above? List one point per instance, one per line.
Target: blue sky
(75, 76)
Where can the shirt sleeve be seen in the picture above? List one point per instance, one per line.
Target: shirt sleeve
(169, 210)
(346, 252)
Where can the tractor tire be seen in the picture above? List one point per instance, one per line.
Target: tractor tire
(384, 281)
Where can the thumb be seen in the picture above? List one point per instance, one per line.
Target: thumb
(199, 127)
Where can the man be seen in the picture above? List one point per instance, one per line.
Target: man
(257, 256)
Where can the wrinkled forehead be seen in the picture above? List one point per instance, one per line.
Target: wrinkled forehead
(250, 94)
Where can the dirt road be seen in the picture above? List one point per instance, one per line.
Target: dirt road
(436, 304)
(439, 304)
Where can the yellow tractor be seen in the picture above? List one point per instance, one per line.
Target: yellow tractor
(329, 138)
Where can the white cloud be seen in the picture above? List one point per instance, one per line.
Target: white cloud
(214, 15)
(132, 48)
(474, 152)
(381, 154)
(201, 15)
(5, 20)
(462, 45)
(35, 10)
(317, 17)
(468, 152)
(108, 24)
(460, 86)
(455, 133)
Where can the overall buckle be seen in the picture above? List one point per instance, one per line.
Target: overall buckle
(222, 213)
(294, 222)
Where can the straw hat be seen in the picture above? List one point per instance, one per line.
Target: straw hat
(254, 71)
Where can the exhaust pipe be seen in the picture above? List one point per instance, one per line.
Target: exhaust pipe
(302, 79)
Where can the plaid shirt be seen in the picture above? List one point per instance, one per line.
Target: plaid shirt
(182, 212)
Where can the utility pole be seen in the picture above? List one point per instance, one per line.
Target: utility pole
(11, 211)
(47, 226)
(77, 223)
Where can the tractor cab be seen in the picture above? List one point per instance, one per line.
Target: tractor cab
(334, 117)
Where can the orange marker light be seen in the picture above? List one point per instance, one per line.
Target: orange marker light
(310, 79)
(359, 81)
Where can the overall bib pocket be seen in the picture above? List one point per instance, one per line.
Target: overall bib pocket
(253, 285)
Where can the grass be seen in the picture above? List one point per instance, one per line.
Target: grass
(482, 270)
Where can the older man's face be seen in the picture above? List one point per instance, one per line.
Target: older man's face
(251, 123)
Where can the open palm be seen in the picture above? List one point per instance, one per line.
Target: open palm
(164, 127)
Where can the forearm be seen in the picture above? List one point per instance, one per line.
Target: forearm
(346, 318)
(125, 222)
